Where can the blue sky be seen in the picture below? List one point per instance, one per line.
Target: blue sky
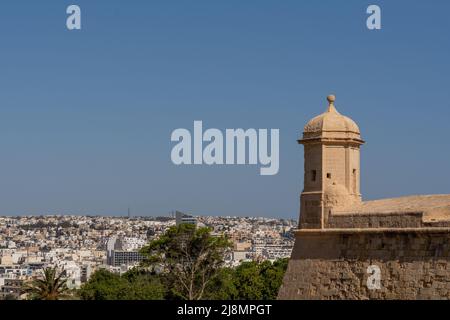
(86, 116)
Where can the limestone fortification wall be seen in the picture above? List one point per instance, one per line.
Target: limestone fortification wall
(373, 220)
(332, 264)
(382, 220)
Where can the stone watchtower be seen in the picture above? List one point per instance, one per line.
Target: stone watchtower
(332, 171)
(346, 248)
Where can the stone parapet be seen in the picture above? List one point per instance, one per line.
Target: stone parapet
(330, 264)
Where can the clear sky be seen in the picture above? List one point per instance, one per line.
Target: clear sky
(86, 116)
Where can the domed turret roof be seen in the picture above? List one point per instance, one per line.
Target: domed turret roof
(331, 120)
(331, 125)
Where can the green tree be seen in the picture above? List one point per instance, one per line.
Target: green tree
(103, 285)
(259, 280)
(52, 286)
(189, 258)
(133, 285)
(248, 281)
(272, 275)
(143, 286)
(222, 286)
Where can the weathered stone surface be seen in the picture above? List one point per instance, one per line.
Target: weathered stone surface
(334, 266)
(340, 236)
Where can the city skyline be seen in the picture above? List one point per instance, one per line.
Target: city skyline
(86, 116)
(80, 246)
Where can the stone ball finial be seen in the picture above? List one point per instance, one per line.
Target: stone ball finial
(331, 98)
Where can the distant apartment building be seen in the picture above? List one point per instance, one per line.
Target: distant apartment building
(6, 260)
(113, 244)
(11, 287)
(117, 256)
(241, 252)
(121, 258)
(85, 273)
(239, 256)
(132, 243)
(242, 246)
(182, 218)
(273, 250)
(72, 272)
(15, 270)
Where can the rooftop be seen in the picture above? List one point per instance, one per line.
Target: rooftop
(433, 207)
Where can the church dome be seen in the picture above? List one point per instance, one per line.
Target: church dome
(331, 126)
(331, 121)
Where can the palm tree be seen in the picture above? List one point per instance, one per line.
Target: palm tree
(51, 287)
